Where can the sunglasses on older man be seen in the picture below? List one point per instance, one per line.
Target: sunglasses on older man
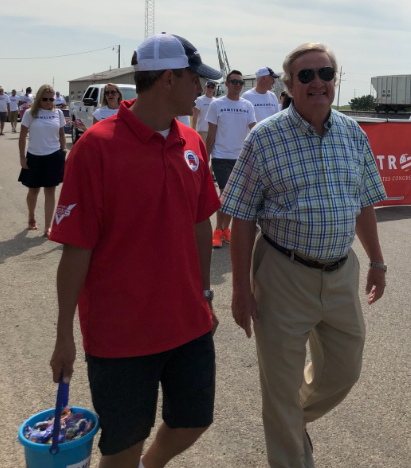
(236, 82)
(308, 74)
(45, 99)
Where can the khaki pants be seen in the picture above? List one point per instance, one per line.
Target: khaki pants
(296, 304)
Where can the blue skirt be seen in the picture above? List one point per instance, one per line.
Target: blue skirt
(44, 171)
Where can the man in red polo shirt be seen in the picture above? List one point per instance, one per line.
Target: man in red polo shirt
(137, 187)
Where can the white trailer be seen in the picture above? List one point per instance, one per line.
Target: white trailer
(393, 92)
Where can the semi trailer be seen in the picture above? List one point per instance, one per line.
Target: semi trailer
(393, 93)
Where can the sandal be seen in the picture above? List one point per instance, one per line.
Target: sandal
(32, 225)
(47, 232)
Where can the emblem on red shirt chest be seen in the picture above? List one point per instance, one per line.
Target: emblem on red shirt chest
(191, 160)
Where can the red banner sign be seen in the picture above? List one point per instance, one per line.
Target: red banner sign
(391, 145)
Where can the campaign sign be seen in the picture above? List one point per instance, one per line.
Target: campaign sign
(391, 145)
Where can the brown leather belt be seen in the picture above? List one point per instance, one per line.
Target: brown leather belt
(333, 266)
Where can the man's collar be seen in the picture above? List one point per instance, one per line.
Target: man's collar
(143, 131)
(306, 127)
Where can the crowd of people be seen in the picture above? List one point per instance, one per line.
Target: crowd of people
(138, 186)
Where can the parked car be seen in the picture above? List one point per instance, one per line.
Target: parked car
(90, 102)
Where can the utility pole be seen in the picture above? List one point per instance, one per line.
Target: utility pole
(119, 56)
(354, 92)
(149, 16)
(53, 81)
(339, 88)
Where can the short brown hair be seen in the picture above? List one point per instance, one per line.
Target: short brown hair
(233, 72)
(145, 79)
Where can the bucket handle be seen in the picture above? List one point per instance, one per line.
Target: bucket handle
(61, 402)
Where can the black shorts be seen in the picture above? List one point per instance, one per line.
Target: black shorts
(3, 116)
(44, 171)
(222, 169)
(124, 392)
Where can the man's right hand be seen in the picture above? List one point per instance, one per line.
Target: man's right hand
(63, 359)
(244, 308)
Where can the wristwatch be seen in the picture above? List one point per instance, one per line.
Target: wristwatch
(383, 266)
(209, 294)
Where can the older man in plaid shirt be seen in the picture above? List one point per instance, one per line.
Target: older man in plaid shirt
(308, 176)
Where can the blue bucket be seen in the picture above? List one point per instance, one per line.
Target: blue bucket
(74, 454)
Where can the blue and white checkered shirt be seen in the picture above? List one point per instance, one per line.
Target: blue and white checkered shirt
(305, 190)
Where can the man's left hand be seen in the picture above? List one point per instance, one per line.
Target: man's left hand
(375, 284)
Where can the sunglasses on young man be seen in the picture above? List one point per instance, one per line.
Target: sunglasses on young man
(308, 74)
(45, 99)
(236, 82)
(110, 92)
(211, 86)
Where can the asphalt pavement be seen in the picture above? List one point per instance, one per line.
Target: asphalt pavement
(370, 429)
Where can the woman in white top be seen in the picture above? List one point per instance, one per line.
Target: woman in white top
(110, 104)
(43, 165)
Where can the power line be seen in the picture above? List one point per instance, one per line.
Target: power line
(55, 56)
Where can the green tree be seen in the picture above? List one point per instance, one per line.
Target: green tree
(362, 103)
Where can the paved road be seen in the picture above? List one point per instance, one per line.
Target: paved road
(370, 429)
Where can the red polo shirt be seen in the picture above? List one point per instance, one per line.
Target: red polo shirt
(134, 198)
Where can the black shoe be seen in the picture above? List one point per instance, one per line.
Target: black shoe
(309, 441)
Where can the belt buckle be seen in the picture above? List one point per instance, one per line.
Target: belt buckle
(331, 266)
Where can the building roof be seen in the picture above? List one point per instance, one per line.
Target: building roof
(105, 75)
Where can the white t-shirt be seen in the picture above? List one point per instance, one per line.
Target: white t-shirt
(265, 105)
(4, 100)
(14, 100)
(44, 131)
(232, 119)
(184, 119)
(104, 112)
(164, 133)
(60, 100)
(27, 101)
(202, 104)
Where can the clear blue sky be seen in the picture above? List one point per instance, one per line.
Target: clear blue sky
(368, 37)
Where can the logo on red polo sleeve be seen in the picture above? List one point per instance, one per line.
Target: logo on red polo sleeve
(192, 160)
(63, 211)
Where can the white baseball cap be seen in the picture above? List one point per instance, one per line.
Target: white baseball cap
(267, 71)
(165, 51)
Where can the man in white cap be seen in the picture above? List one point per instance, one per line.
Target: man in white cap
(60, 102)
(134, 219)
(201, 108)
(264, 101)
